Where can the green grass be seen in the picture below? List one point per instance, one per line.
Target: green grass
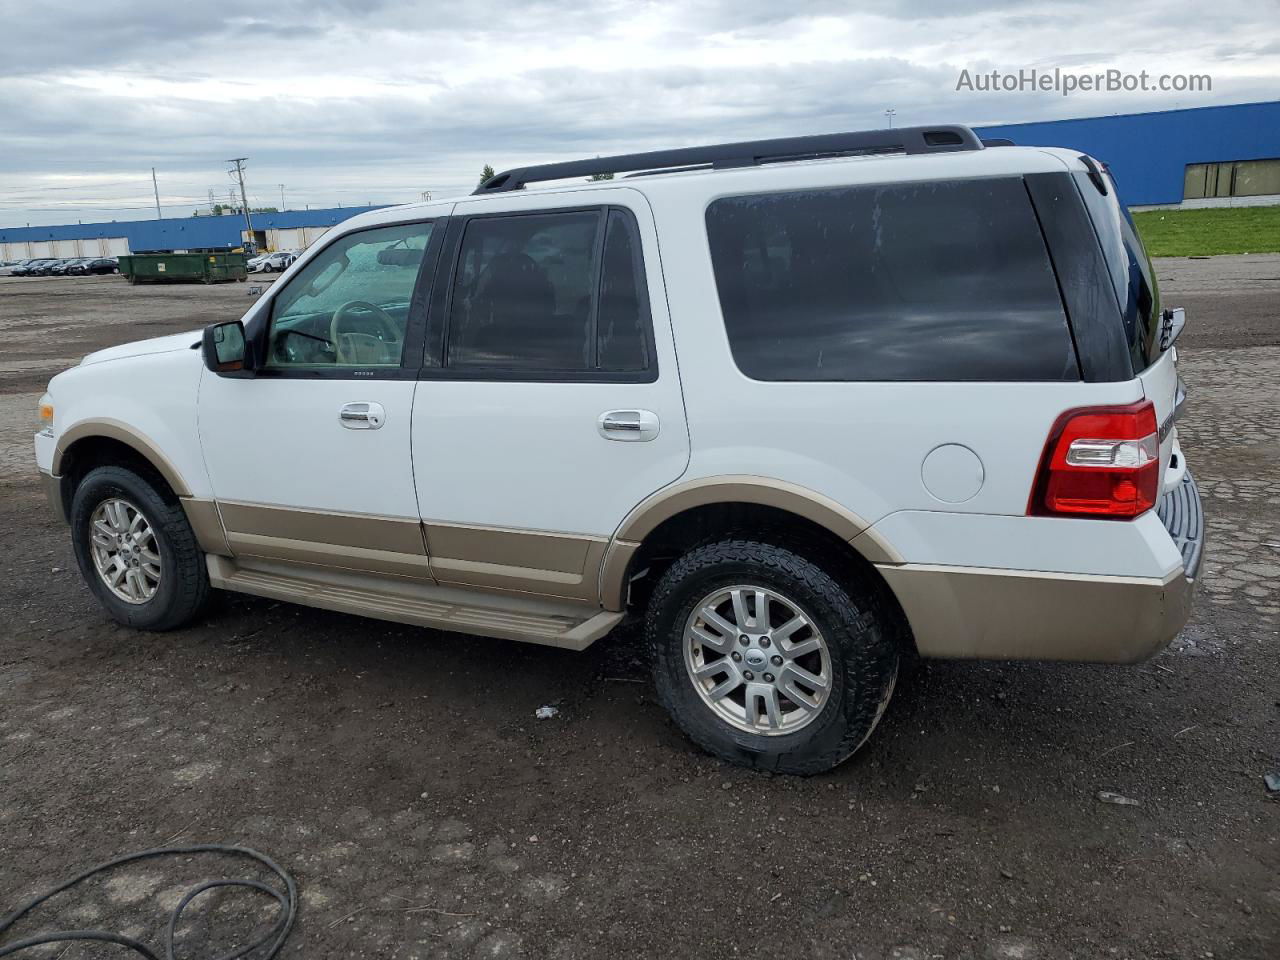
(1203, 233)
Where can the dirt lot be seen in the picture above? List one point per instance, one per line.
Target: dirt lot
(401, 775)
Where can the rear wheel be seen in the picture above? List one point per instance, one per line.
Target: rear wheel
(136, 550)
(766, 659)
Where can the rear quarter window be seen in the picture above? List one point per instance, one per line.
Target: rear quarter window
(945, 280)
(1131, 273)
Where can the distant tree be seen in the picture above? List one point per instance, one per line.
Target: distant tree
(599, 176)
(486, 173)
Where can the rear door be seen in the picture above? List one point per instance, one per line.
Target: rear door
(550, 404)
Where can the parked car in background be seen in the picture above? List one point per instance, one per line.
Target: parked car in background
(47, 267)
(63, 267)
(94, 265)
(272, 262)
(13, 268)
(32, 268)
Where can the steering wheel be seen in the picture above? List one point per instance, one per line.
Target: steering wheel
(359, 347)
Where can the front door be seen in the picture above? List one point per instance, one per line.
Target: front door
(550, 402)
(309, 459)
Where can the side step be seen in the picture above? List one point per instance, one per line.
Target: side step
(556, 623)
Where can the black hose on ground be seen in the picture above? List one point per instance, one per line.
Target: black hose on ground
(272, 940)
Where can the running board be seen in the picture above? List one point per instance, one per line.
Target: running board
(556, 623)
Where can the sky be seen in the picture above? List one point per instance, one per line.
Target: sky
(346, 102)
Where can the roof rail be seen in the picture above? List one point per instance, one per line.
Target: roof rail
(910, 140)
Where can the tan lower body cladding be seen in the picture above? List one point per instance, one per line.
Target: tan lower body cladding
(531, 562)
(979, 613)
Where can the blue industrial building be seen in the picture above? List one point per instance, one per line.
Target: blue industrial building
(1202, 156)
(1197, 157)
(287, 228)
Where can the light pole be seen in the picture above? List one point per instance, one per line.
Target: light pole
(238, 173)
(890, 113)
(281, 186)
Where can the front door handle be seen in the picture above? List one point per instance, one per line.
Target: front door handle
(362, 415)
(634, 425)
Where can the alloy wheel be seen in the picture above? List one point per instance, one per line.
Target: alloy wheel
(757, 660)
(125, 552)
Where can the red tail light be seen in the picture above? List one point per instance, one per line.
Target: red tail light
(1099, 462)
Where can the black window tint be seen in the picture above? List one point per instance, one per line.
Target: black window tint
(927, 281)
(523, 291)
(622, 326)
(1131, 272)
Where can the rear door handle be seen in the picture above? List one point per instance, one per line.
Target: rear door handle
(362, 415)
(633, 425)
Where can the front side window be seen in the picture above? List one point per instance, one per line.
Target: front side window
(550, 293)
(944, 280)
(349, 307)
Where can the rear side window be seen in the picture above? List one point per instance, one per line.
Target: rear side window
(1131, 273)
(947, 280)
(550, 293)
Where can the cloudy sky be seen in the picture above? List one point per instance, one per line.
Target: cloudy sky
(352, 101)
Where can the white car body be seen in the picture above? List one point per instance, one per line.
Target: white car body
(527, 513)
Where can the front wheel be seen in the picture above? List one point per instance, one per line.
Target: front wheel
(136, 550)
(768, 660)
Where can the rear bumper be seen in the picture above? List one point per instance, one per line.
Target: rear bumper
(999, 614)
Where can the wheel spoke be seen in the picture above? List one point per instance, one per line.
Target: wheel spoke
(709, 670)
(811, 680)
(713, 619)
(149, 557)
(725, 687)
(137, 521)
(104, 528)
(787, 629)
(763, 698)
(740, 608)
(762, 610)
(119, 517)
(812, 645)
(805, 701)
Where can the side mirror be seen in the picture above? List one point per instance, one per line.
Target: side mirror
(226, 351)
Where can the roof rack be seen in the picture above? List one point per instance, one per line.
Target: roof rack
(909, 140)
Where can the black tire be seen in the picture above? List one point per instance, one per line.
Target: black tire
(853, 617)
(183, 588)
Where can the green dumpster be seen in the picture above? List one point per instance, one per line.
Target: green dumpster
(183, 267)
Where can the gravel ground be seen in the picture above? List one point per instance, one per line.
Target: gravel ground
(400, 774)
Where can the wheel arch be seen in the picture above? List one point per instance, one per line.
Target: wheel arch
(93, 443)
(679, 516)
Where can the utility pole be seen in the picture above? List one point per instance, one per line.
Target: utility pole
(281, 197)
(248, 221)
(156, 188)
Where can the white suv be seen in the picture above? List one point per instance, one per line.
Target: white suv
(802, 405)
